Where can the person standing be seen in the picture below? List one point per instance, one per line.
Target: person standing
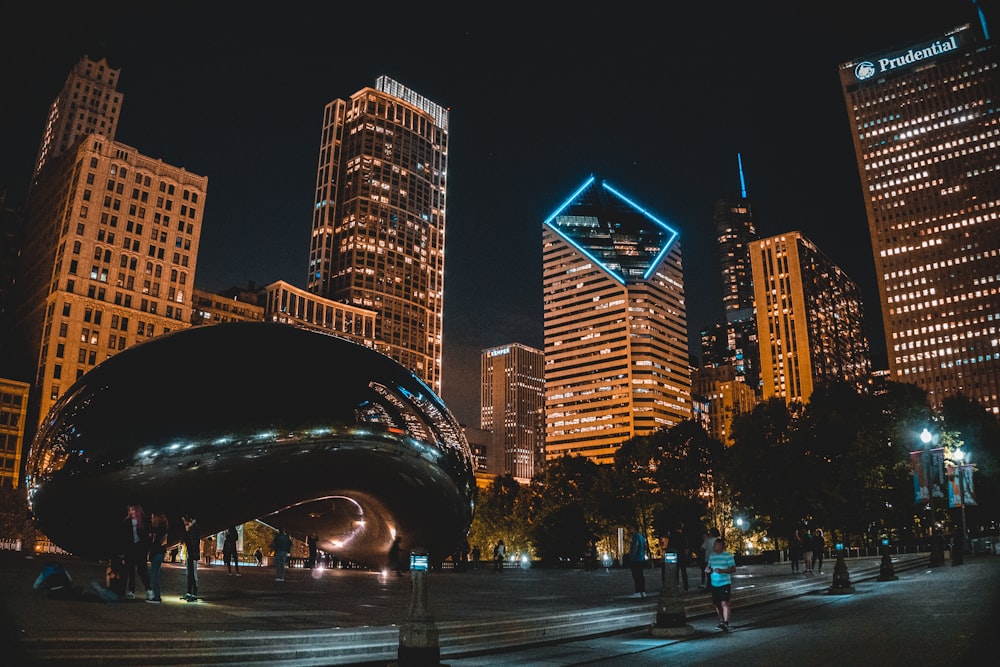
(312, 541)
(499, 554)
(721, 566)
(282, 546)
(157, 553)
(136, 551)
(192, 548)
(476, 555)
(819, 546)
(638, 554)
(678, 543)
(396, 556)
(707, 545)
(229, 553)
(795, 550)
(807, 551)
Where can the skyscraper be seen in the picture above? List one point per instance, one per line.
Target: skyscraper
(734, 342)
(378, 230)
(513, 405)
(615, 324)
(810, 320)
(925, 120)
(110, 246)
(89, 103)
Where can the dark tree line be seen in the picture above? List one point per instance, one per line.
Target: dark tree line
(841, 461)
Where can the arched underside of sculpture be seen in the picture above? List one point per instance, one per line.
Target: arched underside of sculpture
(234, 422)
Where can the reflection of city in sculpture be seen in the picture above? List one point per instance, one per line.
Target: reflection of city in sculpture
(241, 421)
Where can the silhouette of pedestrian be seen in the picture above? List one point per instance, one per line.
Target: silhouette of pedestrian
(229, 554)
(396, 556)
(499, 554)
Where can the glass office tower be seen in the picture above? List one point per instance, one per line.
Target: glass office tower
(378, 225)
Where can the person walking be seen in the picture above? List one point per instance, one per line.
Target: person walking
(678, 543)
(258, 556)
(721, 566)
(638, 554)
(229, 553)
(157, 553)
(192, 549)
(136, 551)
(499, 554)
(807, 551)
(282, 545)
(707, 544)
(795, 550)
(476, 556)
(819, 546)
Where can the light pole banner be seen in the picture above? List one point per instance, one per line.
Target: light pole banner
(960, 486)
(928, 474)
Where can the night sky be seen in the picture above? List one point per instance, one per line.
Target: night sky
(657, 101)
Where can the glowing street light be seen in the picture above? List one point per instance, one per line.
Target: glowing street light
(959, 456)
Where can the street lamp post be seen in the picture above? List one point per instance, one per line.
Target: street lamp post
(937, 550)
(959, 456)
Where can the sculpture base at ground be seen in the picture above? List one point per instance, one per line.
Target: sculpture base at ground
(671, 618)
(841, 577)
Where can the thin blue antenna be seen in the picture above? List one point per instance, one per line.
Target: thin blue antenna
(982, 20)
(743, 182)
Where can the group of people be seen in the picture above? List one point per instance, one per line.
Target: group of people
(719, 566)
(146, 541)
(808, 547)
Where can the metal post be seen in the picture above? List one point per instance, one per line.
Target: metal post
(418, 636)
(671, 620)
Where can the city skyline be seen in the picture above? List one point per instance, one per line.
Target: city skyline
(661, 107)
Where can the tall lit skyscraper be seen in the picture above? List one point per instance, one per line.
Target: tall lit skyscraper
(925, 120)
(110, 247)
(378, 230)
(89, 103)
(615, 324)
(810, 320)
(513, 405)
(734, 341)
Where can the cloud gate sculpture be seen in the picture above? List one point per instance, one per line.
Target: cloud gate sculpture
(241, 421)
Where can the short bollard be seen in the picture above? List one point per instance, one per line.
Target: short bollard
(418, 636)
(841, 577)
(671, 619)
(886, 571)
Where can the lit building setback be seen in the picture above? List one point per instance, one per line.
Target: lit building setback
(615, 327)
(925, 121)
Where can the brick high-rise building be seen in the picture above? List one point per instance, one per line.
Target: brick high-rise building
(110, 245)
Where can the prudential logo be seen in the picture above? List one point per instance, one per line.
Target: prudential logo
(865, 70)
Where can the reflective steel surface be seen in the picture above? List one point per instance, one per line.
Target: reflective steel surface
(240, 421)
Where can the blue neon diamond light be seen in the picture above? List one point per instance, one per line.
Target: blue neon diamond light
(624, 239)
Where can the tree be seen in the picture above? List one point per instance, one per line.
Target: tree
(500, 514)
(760, 469)
(563, 508)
